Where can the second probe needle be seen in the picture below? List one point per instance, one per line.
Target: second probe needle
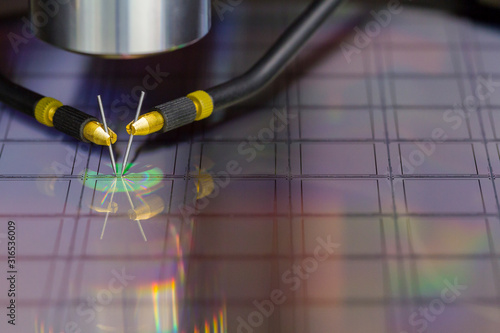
(131, 138)
(103, 116)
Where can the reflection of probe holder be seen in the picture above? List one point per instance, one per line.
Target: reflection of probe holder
(151, 206)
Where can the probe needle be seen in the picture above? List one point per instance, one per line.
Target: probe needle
(111, 154)
(131, 138)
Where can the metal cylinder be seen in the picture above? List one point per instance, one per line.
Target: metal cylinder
(120, 28)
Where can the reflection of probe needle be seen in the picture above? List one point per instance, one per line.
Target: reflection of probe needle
(110, 206)
(131, 138)
(133, 208)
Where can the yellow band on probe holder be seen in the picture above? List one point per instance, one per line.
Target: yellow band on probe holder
(45, 109)
(204, 104)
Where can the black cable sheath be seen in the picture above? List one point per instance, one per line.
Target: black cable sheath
(18, 97)
(276, 59)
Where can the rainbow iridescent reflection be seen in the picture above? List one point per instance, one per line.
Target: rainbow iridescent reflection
(145, 179)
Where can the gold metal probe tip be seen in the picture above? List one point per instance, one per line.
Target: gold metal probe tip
(95, 133)
(146, 124)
